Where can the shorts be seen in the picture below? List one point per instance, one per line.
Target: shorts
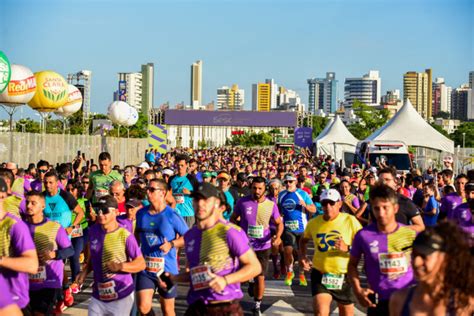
(190, 220)
(121, 307)
(198, 308)
(291, 239)
(44, 301)
(344, 296)
(263, 256)
(145, 281)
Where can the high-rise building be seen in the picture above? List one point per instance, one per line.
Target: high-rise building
(289, 100)
(441, 97)
(230, 98)
(417, 86)
(261, 97)
(391, 97)
(366, 89)
(462, 103)
(82, 80)
(196, 84)
(471, 79)
(322, 93)
(273, 93)
(130, 89)
(148, 79)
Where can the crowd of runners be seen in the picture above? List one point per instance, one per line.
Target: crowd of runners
(212, 220)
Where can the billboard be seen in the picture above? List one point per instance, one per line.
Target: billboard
(230, 118)
(304, 137)
(122, 91)
(157, 138)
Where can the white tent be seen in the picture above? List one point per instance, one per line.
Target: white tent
(335, 140)
(408, 126)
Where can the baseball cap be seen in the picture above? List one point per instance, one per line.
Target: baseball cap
(426, 243)
(3, 185)
(133, 202)
(206, 174)
(331, 194)
(143, 165)
(105, 202)
(223, 175)
(373, 170)
(167, 172)
(241, 176)
(289, 177)
(206, 190)
(469, 187)
(357, 169)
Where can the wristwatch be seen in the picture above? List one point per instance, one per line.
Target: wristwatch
(172, 244)
(348, 248)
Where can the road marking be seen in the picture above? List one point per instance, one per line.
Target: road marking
(277, 288)
(282, 308)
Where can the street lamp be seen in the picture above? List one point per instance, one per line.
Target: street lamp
(463, 148)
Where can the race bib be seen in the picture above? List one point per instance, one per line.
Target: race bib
(292, 225)
(332, 281)
(101, 193)
(179, 198)
(155, 265)
(200, 277)
(77, 232)
(38, 277)
(107, 291)
(255, 231)
(393, 263)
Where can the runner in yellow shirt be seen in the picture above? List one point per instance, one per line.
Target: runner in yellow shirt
(332, 234)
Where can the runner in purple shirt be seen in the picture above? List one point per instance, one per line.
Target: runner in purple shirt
(114, 256)
(219, 258)
(462, 214)
(449, 202)
(386, 247)
(256, 212)
(53, 246)
(17, 253)
(7, 305)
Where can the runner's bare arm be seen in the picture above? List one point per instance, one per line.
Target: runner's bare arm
(396, 302)
(134, 266)
(170, 200)
(280, 227)
(361, 293)
(79, 215)
(250, 268)
(27, 262)
(90, 190)
(417, 224)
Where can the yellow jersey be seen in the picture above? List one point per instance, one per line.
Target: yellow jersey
(324, 234)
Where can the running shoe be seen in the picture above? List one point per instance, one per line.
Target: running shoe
(68, 298)
(81, 258)
(289, 278)
(250, 289)
(76, 288)
(303, 281)
(276, 276)
(256, 311)
(59, 308)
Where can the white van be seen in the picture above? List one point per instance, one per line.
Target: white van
(390, 153)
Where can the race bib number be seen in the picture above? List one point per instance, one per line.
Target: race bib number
(200, 277)
(101, 193)
(332, 281)
(292, 225)
(179, 198)
(393, 263)
(255, 231)
(77, 232)
(155, 265)
(107, 291)
(38, 277)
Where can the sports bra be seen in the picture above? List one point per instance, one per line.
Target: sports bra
(450, 311)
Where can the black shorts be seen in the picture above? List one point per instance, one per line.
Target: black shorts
(145, 282)
(344, 296)
(44, 301)
(263, 257)
(199, 308)
(291, 239)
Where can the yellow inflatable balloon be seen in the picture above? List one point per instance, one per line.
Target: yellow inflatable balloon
(51, 92)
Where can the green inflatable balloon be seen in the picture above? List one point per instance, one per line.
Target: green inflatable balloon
(5, 71)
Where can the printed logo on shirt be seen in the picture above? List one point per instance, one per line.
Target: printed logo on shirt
(52, 206)
(190, 245)
(249, 210)
(327, 240)
(374, 246)
(152, 239)
(289, 205)
(94, 244)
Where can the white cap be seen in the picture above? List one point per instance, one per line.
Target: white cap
(143, 165)
(167, 172)
(357, 169)
(373, 170)
(330, 194)
(289, 177)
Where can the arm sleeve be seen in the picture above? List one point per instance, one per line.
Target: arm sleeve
(70, 200)
(275, 213)
(237, 241)
(410, 209)
(307, 199)
(21, 239)
(194, 182)
(356, 202)
(133, 250)
(238, 208)
(179, 224)
(356, 247)
(65, 249)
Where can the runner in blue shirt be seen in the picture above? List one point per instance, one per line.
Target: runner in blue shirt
(293, 204)
(156, 228)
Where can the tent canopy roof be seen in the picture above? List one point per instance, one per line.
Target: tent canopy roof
(336, 132)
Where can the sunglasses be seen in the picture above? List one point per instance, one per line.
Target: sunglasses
(42, 171)
(289, 181)
(102, 210)
(326, 202)
(152, 189)
(85, 182)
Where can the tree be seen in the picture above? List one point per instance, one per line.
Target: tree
(371, 119)
(251, 139)
(440, 129)
(468, 129)
(319, 123)
(443, 115)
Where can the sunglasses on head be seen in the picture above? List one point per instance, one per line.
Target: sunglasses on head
(326, 202)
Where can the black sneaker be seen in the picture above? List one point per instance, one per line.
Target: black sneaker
(250, 289)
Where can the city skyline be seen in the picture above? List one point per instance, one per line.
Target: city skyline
(440, 38)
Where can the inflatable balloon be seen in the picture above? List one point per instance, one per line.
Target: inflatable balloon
(133, 119)
(21, 88)
(5, 72)
(51, 92)
(119, 112)
(73, 103)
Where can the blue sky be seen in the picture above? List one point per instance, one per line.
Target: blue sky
(239, 42)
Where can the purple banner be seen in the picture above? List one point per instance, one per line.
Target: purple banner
(230, 118)
(304, 137)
